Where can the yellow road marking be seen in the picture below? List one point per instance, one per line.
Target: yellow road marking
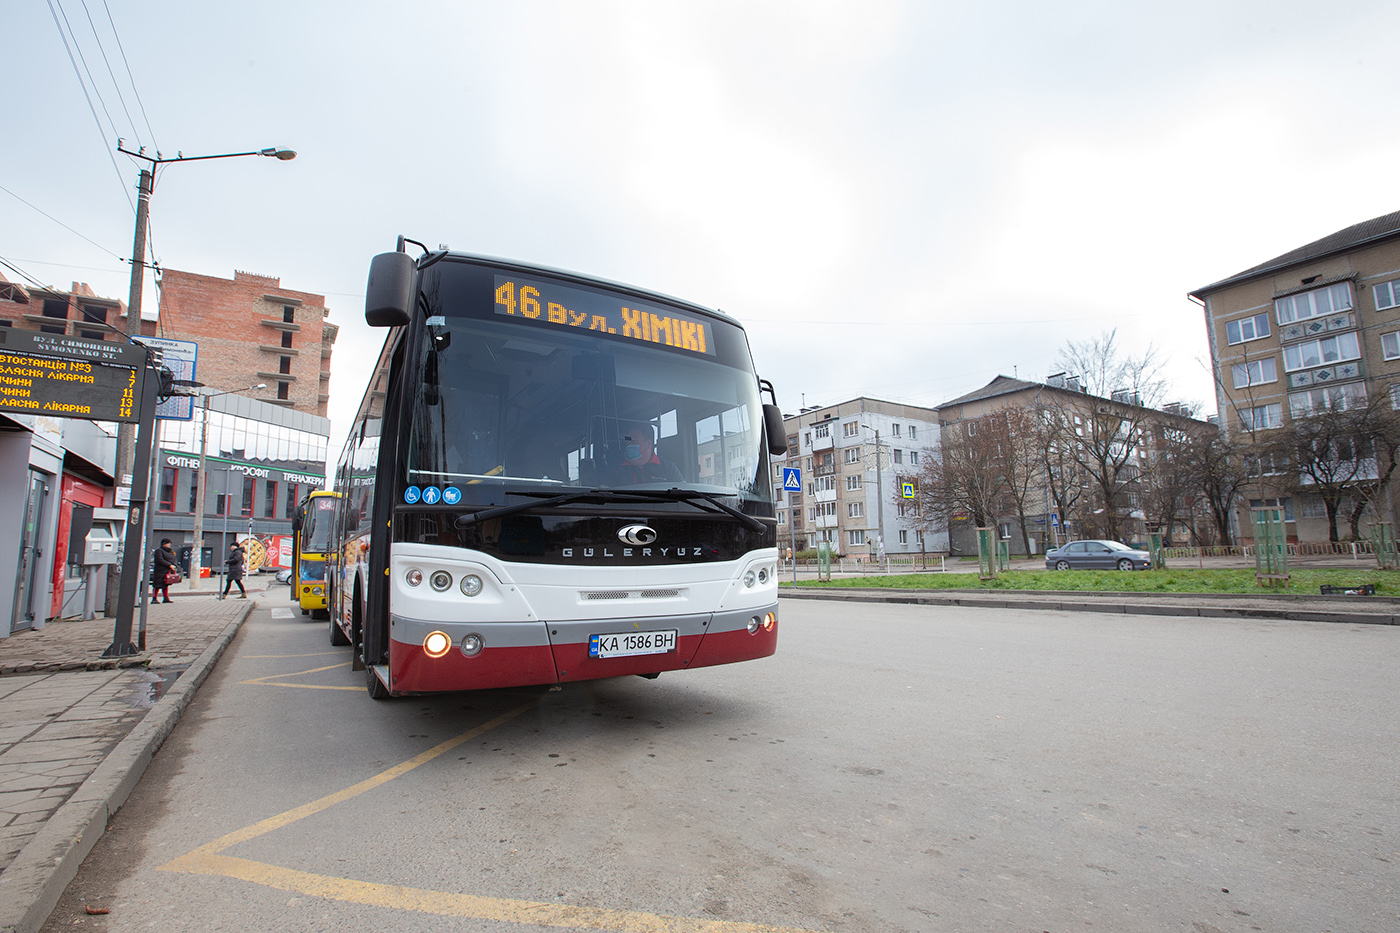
(209, 860)
(510, 910)
(270, 679)
(314, 654)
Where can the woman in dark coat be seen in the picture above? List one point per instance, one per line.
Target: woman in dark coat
(234, 562)
(162, 562)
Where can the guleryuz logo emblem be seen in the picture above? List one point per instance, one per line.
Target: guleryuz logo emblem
(636, 534)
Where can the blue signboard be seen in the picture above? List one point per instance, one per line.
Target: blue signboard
(792, 479)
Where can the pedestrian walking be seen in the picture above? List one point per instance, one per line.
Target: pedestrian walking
(165, 570)
(234, 567)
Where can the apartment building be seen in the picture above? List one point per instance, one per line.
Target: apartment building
(1314, 330)
(853, 457)
(1124, 440)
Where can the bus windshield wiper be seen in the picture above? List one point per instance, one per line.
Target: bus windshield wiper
(545, 500)
(676, 494)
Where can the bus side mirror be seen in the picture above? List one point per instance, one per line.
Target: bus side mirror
(777, 434)
(389, 293)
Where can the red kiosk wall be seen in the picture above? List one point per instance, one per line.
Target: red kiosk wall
(74, 491)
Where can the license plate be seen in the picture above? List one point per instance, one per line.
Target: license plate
(629, 644)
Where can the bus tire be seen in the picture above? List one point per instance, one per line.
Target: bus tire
(338, 639)
(375, 686)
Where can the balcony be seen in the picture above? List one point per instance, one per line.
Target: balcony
(1316, 327)
(1338, 372)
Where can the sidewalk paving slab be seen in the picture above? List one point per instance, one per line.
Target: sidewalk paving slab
(77, 732)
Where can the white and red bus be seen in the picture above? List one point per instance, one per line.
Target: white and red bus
(551, 478)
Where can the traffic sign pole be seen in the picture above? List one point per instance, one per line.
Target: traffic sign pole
(132, 564)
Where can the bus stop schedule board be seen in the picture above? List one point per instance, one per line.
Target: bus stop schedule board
(67, 378)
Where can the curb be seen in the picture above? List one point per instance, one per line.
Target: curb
(908, 597)
(36, 879)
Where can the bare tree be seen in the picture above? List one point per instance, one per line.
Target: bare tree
(1169, 490)
(1105, 430)
(1218, 466)
(963, 478)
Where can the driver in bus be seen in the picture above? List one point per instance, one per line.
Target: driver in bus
(640, 462)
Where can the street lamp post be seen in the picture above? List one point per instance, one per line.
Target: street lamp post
(197, 552)
(145, 186)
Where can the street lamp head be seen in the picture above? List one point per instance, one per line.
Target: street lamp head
(286, 155)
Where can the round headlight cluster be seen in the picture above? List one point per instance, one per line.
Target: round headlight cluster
(441, 581)
(765, 622)
(472, 645)
(761, 575)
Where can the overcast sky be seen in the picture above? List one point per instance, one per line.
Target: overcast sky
(899, 200)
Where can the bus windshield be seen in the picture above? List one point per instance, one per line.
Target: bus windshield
(508, 401)
(318, 525)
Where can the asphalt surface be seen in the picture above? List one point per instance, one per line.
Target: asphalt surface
(76, 735)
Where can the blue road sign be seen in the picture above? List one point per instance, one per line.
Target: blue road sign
(1055, 519)
(792, 479)
(906, 490)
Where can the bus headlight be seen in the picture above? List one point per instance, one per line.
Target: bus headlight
(472, 645)
(749, 579)
(762, 574)
(754, 624)
(413, 577)
(440, 580)
(770, 620)
(471, 586)
(435, 645)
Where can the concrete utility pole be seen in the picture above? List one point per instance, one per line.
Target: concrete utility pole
(145, 187)
(126, 433)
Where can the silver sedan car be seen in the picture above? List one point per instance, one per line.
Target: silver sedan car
(1096, 555)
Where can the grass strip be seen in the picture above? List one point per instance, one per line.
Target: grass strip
(1306, 582)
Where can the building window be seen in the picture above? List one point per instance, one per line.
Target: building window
(852, 455)
(913, 456)
(1286, 504)
(903, 536)
(270, 499)
(1317, 303)
(823, 430)
(898, 455)
(1255, 372)
(288, 314)
(284, 390)
(169, 477)
(247, 509)
(1327, 398)
(850, 429)
(1387, 295)
(1249, 328)
(852, 483)
(782, 517)
(792, 445)
(824, 484)
(855, 510)
(894, 429)
(855, 538)
(1321, 352)
(194, 490)
(293, 497)
(972, 428)
(913, 432)
(1262, 417)
(1395, 396)
(286, 338)
(1390, 345)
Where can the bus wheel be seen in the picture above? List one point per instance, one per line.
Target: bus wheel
(338, 638)
(377, 690)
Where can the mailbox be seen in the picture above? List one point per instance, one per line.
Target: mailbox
(102, 544)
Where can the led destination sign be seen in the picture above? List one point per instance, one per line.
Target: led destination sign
(68, 388)
(572, 307)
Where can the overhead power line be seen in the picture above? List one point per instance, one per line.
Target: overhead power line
(130, 78)
(93, 110)
(59, 222)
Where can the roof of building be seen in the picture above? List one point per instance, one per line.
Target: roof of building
(1364, 233)
(1001, 385)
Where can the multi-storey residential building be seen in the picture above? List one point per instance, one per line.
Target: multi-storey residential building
(250, 329)
(1314, 330)
(1072, 437)
(853, 457)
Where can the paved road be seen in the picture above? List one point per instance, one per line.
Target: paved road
(892, 768)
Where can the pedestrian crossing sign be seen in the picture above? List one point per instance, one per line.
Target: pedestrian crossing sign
(792, 479)
(906, 490)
